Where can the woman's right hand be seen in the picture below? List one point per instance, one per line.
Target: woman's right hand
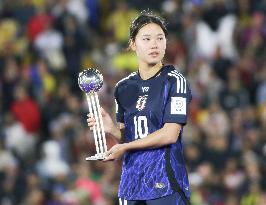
(108, 123)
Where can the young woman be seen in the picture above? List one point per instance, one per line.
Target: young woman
(152, 108)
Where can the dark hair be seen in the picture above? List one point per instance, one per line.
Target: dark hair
(143, 19)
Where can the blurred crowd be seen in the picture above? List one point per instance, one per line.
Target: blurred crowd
(219, 45)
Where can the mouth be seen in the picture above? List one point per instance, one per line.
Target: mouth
(154, 54)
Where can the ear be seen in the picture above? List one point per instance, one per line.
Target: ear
(132, 45)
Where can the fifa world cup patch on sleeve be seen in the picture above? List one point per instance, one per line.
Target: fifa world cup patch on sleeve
(178, 105)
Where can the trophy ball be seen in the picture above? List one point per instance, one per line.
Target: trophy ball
(90, 80)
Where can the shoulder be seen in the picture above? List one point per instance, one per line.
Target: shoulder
(177, 80)
(172, 74)
(125, 80)
(127, 88)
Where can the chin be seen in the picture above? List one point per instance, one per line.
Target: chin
(153, 63)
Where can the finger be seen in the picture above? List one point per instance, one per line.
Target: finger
(112, 150)
(89, 120)
(109, 158)
(90, 115)
(108, 153)
(91, 124)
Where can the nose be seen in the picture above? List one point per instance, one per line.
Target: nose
(154, 44)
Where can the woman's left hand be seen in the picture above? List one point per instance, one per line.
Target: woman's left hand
(116, 152)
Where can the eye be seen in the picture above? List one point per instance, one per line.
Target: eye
(146, 39)
(160, 38)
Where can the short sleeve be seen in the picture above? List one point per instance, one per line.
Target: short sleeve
(178, 100)
(119, 110)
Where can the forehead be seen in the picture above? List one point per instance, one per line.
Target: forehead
(150, 29)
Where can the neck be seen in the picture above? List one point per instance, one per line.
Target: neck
(147, 71)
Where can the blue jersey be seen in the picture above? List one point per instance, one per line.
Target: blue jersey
(144, 106)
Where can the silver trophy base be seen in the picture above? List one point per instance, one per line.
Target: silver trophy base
(96, 157)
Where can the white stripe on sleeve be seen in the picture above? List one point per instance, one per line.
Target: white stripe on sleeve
(180, 82)
(184, 80)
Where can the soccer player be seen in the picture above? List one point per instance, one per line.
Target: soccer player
(152, 107)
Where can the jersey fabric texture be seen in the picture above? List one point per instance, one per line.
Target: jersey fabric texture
(144, 106)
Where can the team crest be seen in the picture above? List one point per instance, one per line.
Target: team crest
(141, 102)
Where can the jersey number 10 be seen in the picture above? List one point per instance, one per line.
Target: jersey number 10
(141, 127)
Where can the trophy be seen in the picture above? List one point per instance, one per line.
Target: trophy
(90, 81)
